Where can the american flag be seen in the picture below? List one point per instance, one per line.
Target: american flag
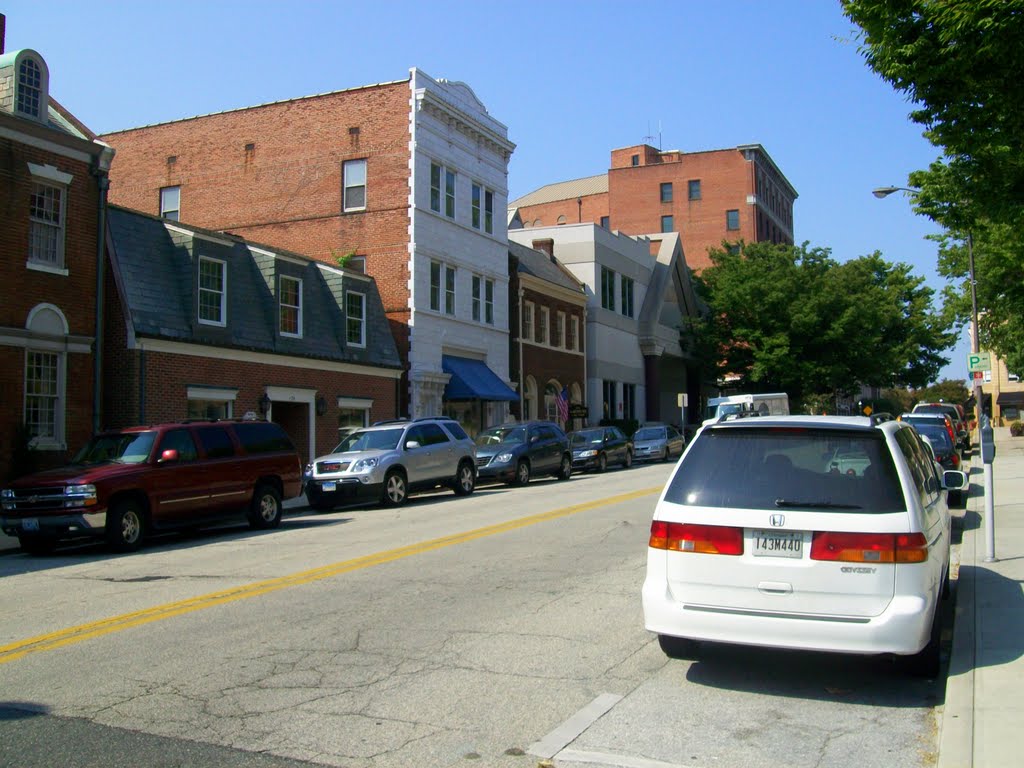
(562, 403)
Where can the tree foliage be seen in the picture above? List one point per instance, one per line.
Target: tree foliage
(947, 391)
(792, 319)
(961, 62)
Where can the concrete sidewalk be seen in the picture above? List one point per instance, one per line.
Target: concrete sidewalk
(983, 713)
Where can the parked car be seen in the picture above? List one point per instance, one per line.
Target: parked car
(945, 452)
(513, 453)
(932, 419)
(963, 433)
(597, 447)
(758, 538)
(657, 442)
(125, 483)
(390, 460)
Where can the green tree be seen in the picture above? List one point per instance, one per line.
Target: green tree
(947, 391)
(793, 319)
(961, 63)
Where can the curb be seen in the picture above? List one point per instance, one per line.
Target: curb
(956, 729)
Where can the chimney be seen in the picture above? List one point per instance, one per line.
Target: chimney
(547, 245)
(3, 26)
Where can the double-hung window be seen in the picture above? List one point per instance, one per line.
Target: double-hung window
(442, 286)
(44, 411)
(527, 330)
(542, 326)
(693, 189)
(354, 194)
(442, 188)
(666, 192)
(574, 334)
(559, 340)
(213, 281)
(626, 288)
(290, 305)
(607, 288)
(488, 212)
(46, 225)
(355, 318)
(732, 219)
(475, 206)
(483, 299)
(170, 203)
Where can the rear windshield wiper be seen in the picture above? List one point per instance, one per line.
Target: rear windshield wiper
(814, 504)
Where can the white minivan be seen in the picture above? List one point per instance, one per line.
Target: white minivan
(804, 532)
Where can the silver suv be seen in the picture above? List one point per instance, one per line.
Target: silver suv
(391, 459)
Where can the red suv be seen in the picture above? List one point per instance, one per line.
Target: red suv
(126, 482)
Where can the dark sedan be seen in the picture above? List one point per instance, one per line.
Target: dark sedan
(597, 447)
(513, 453)
(945, 454)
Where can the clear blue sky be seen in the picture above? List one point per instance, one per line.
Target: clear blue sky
(572, 80)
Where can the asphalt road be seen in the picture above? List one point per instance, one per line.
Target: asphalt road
(500, 629)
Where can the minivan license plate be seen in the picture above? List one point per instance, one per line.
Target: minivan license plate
(30, 524)
(778, 543)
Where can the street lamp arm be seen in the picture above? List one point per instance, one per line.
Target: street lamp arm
(886, 191)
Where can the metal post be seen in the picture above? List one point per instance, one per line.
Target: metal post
(990, 517)
(975, 346)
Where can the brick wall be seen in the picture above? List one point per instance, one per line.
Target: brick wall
(74, 294)
(273, 174)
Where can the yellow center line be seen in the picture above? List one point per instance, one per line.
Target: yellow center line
(77, 634)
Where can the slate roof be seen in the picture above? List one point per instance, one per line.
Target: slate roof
(155, 264)
(539, 264)
(564, 190)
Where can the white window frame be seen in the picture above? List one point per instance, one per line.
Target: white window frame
(221, 395)
(527, 324)
(574, 326)
(608, 291)
(476, 206)
(626, 295)
(560, 330)
(436, 169)
(543, 326)
(48, 177)
(360, 319)
(451, 181)
(223, 306)
(349, 183)
(297, 307)
(449, 289)
(167, 211)
(33, 94)
(489, 301)
(477, 298)
(436, 272)
(488, 211)
(57, 400)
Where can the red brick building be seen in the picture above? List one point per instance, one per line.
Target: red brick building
(547, 343)
(406, 180)
(52, 202)
(707, 197)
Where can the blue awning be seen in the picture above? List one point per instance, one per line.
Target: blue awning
(473, 380)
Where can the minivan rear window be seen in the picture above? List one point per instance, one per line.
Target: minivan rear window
(826, 470)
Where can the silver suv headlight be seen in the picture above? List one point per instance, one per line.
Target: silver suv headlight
(364, 465)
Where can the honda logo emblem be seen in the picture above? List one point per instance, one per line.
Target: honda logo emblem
(778, 520)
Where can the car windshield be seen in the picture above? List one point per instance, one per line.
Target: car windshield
(587, 437)
(496, 435)
(948, 410)
(770, 469)
(122, 448)
(370, 440)
(650, 433)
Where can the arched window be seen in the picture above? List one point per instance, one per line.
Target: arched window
(530, 399)
(30, 87)
(561, 219)
(44, 377)
(551, 390)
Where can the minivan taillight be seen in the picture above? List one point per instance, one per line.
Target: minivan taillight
(688, 537)
(869, 547)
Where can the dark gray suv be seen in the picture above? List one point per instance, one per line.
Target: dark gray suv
(513, 453)
(391, 459)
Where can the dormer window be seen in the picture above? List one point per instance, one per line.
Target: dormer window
(30, 88)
